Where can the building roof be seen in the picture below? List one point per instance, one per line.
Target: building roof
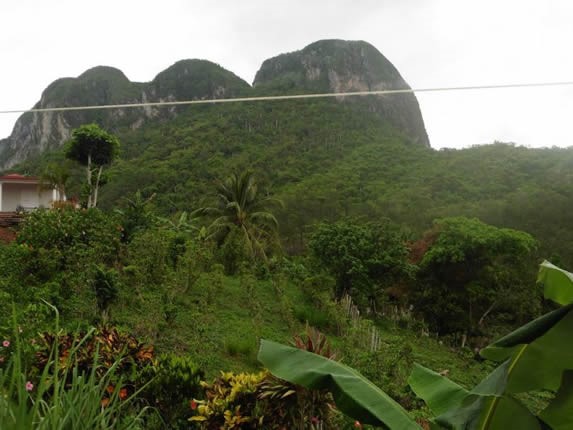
(18, 178)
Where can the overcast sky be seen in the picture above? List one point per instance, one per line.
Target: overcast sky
(433, 43)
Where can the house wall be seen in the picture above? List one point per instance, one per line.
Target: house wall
(26, 195)
(46, 197)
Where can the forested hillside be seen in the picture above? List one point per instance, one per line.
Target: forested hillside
(205, 233)
(325, 158)
(328, 160)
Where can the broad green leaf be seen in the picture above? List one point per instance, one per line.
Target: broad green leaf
(502, 348)
(559, 413)
(437, 391)
(495, 383)
(489, 413)
(353, 394)
(558, 283)
(485, 407)
(538, 352)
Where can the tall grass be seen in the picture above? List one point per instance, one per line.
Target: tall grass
(61, 398)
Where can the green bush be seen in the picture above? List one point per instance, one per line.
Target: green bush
(472, 273)
(173, 383)
(233, 252)
(363, 259)
(76, 234)
(56, 258)
(314, 317)
(244, 347)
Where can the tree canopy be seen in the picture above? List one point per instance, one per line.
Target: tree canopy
(92, 145)
(363, 258)
(471, 269)
(93, 148)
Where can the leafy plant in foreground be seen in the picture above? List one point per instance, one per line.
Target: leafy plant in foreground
(174, 383)
(230, 402)
(537, 356)
(62, 396)
(98, 350)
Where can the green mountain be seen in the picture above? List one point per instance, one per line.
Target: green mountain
(329, 65)
(325, 158)
(339, 66)
(35, 133)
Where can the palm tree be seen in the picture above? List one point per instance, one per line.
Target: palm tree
(240, 206)
(184, 224)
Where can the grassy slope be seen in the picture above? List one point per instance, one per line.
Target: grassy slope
(219, 324)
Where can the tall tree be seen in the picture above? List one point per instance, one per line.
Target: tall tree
(240, 205)
(365, 259)
(93, 148)
(470, 272)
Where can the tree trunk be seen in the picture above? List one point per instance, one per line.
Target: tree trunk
(485, 314)
(96, 189)
(89, 180)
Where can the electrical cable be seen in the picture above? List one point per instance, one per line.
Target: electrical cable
(290, 97)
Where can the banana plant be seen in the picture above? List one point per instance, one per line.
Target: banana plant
(536, 356)
(353, 394)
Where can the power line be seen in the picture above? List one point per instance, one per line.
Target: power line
(292, 97)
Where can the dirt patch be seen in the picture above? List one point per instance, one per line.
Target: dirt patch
(7, 235)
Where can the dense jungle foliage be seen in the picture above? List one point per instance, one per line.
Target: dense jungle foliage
(175, 302)
(327, 160)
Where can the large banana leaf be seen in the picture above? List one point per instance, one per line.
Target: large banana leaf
(538, 355)
(485, 407)
(438, 392)
(558, 283)
(559, 413)
(353, 394)
(540, 351)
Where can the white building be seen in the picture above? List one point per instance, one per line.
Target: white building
(24, 192)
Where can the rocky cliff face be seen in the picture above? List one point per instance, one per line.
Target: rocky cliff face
(185, 80)
(345, 66)
(324, 66)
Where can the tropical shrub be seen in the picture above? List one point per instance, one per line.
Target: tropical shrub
(99, 348)
(263, 401)
(61, 395)
(230, 402)
(353, 394)
(172, 384)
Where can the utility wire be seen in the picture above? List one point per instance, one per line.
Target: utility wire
(292, 97)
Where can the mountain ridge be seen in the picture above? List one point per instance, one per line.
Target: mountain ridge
(337, 66)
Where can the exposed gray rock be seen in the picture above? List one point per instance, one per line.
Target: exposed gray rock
(346, 66)
(324, 66)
